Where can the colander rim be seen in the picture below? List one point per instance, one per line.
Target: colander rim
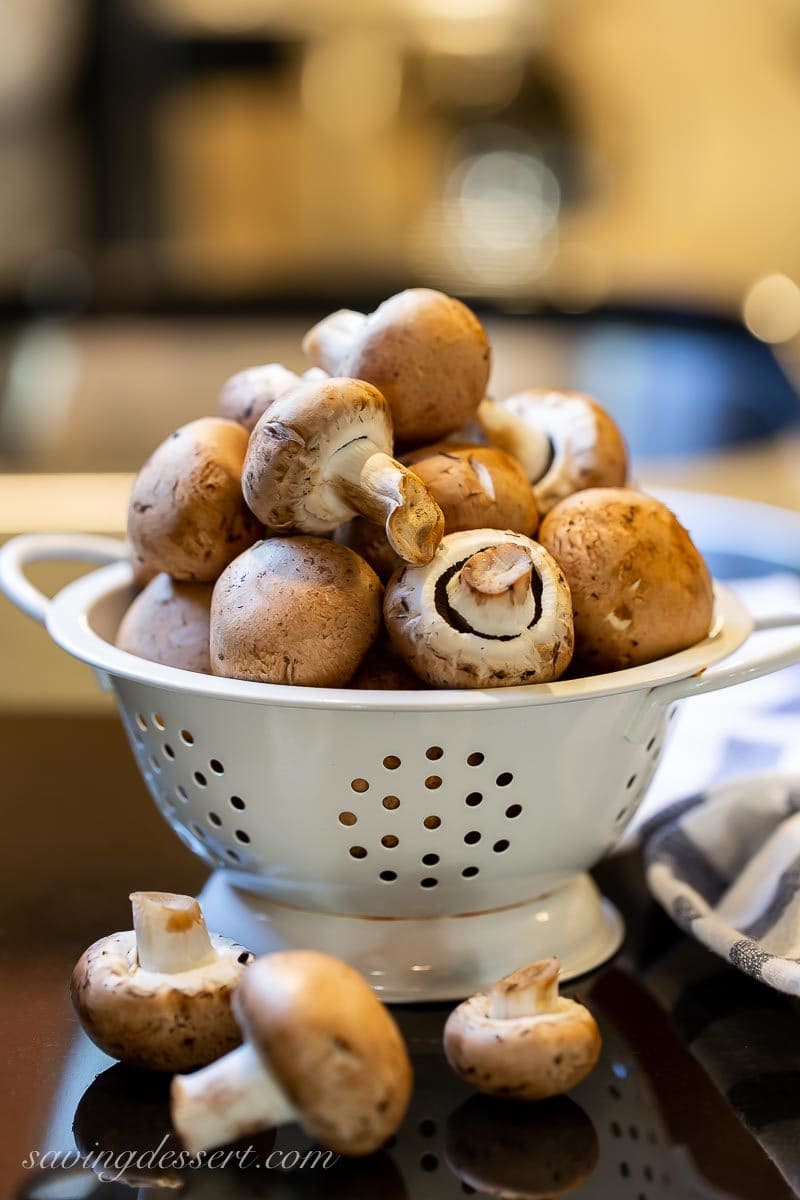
(69, 624)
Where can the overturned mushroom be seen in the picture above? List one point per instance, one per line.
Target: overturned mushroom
(186, 515)
(322, 453)
(247, 395)
(564, 440)
(158, 996)
(426, 352)
(320, 1049)
(296, 610)
(521, 1039)
(168, 623)
(640, 587)
(491, 610)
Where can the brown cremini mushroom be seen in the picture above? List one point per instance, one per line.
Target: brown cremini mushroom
(247, 395)
(320, 1049)
(491, 610)
(187, 516)
(168, 623)
(158, 996)
(521, 1040)
(322, 453)
(382, 670)
(640, 588)
(426, 352)
(565, 441)
(476, 487)
(297, 610)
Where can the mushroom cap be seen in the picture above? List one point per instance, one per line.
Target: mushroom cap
(370, 541)
(521, 1151)
(476, 487)
(418, 618)
(430, 357)
(383, 671)
(283, 473)
(588, 449)
(332, 1046)
(186, 514)
(640, 588)
(522, 1058)
(155, 1021)
(168, 623)
(247, 395)
(300, 610)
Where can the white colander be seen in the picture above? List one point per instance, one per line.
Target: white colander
(434, 839)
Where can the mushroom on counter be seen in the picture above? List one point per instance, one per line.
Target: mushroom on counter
(320, 1049)
(187, 516)
(296, 610)
(168, 623)
(640, 588)
(521, 1040)
(158, 996)
(521, 1151)
(476, 487)
(322, 453)
(491, 610)
(565, 441)
(247, 395)
(426, 352)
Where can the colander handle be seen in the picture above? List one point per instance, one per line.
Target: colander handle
(29, 548)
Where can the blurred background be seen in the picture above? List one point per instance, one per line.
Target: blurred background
(185, 185)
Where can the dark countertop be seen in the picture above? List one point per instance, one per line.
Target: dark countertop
(81, 833)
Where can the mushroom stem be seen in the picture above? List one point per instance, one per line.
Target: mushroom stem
(328, 342)
(492, 591)
(171, 934)
(384, 491)
(232, 1098)
(509, 432)
(529, 992)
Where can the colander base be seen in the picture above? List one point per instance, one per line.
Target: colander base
(434, 958)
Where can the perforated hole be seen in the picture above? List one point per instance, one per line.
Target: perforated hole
(651, 743)
(474, 799)
(429, 1162)
(187, 738)
(470, 872)
(159, 722)
(241, 836)
(616, 1129)
(216, 766)
(155, 764)
(472, 838)
(430, 860)
(432, 822)
(233, 855)
(358, 852)
(427, 1128)
(347, 818)
(630, 782)
(215, 819)
(501, 846)
(200, 779)
(429, 882)
(433, 782)
(475, 759)
(181, 793)
(504, 779)
(198, 831)
(391, 762)
(467, 1190)
(390, 841)
(390, 802)
(621, 815)
(388, 876)
(141, 722)
(434, 753)
(359, 785)
(168, 751)
(238, 803)
(513, 811)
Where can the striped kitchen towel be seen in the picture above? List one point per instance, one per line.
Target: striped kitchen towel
(725, 865)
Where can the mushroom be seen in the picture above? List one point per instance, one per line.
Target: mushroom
(186, 514)
(521, 1039)
(298, 610)
(476, 487)
(640, 588)
(319, 1049)
(158, 996)
(564, 440)
(383, 671)
(492, 610)
(247, 395)
(426, 352)
(322, 453)
(369, 540)
(168, 623)
(521, 1151)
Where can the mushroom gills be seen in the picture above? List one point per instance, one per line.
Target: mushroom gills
(233, 1097)
(495, 593)
(171, 934)
(524, 441)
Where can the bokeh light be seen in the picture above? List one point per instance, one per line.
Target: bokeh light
(771, 309)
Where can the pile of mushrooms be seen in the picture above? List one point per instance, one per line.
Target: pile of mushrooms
(377, 521)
